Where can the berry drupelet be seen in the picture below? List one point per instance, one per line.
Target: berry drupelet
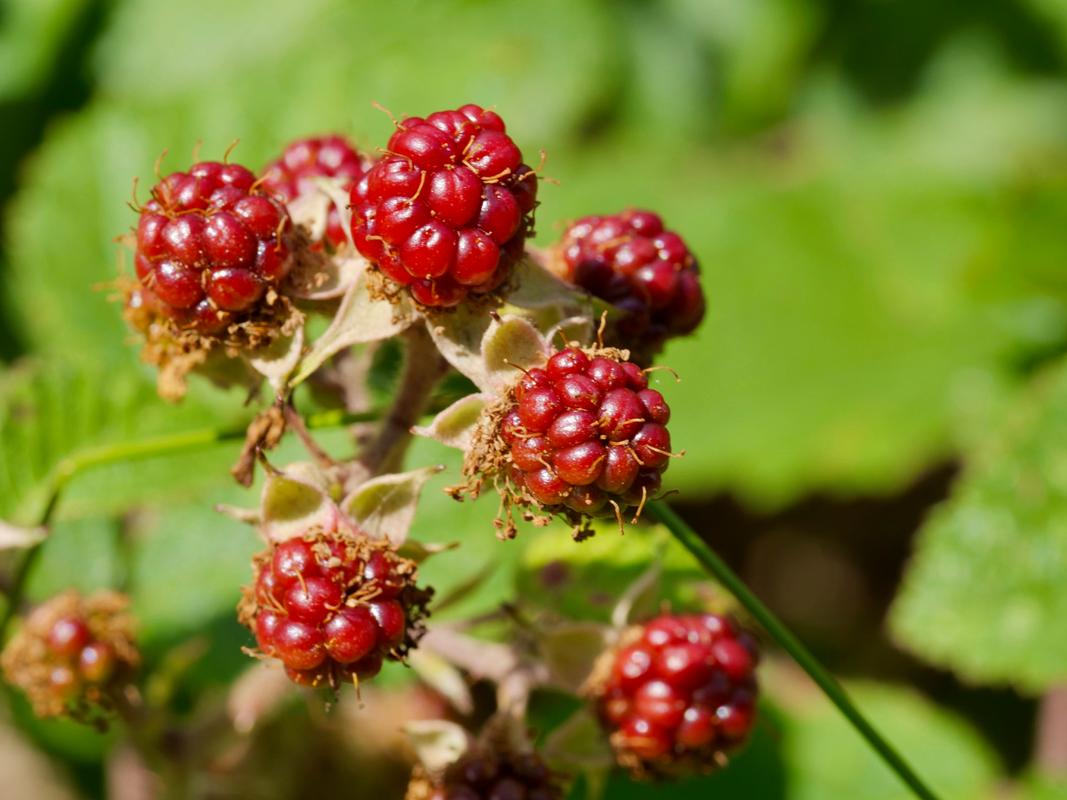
(211, 246)
(485, 774)
(678, 693)
(585, 434)
(292, 175)
(634, 263)
(331, 607)
(447, 209)
(74, 655)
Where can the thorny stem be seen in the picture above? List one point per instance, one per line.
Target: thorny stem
(424, 366)
(719, 570)
(77, 463)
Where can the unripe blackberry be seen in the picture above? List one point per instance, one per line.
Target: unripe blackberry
(678, 693)
(212, 246)
(634, 263)
(74, 656)
(582, 436)
(330, 156)
(446, 211)
(332, 606)
(485, 773)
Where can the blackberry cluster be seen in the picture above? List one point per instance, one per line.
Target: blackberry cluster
(446, 211)
(634, 263)
(73, 655)
(585, 432)
(679, 693)
(486, 775)
(211, 247)
(290, 176)
(331, 607)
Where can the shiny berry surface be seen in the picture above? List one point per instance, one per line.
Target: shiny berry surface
(73, 655)
(633, 262)
(77, 657)
(446, 211)
(292, 175)
(586, 432)
(332, 607)
(680, 689)
(210, 245)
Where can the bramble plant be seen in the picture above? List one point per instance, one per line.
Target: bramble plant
(274, 279)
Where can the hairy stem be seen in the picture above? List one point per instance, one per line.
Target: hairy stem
(423, 367)
(1050, 752)
(785, 638)
(296, 424)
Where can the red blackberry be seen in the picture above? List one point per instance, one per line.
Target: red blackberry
(633, 262)
(318, 156)
(74, 655)
(447, 210)
(678, 693)
(211, 246)
(582, 436)
(485, 774)
(331, 607)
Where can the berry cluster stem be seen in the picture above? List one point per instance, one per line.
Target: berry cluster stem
(423, 367)
(788, 641)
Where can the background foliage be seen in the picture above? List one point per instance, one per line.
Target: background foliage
(877, 196)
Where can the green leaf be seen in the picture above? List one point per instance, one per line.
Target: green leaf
(482, 569)
(759, 47)
(585, 581)
(188, 567)
(54, 418)
(840, 344)
(31, 38)
(824, 758)
(494, 54)
(985, 594)
(80, 554)
(385, 506)
(1044, 787)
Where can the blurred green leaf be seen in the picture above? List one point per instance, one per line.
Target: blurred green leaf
(50, 413)
(759, 48)
(828, 358)
(857, 272)
(304, 67)
(188, 565)
(825, 759)
(985, 594)
(80, 554)
(585, 580)
(482, 568)
(1043, 787)
(31, 34)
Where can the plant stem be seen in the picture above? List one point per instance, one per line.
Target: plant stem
(83, 460)
(424, 366)
(1050, 750)
(718, 569)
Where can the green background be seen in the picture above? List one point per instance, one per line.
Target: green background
(876, 195)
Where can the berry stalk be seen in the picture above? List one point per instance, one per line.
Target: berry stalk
(423, 367)
(719, 570)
